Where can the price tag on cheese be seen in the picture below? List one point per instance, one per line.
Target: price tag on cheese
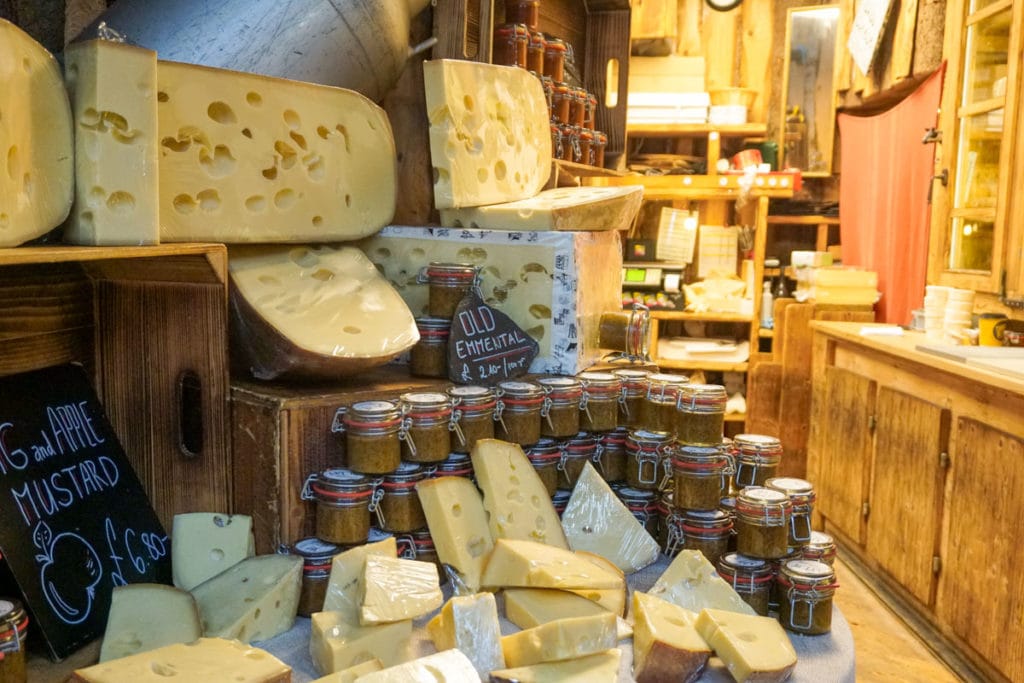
(486, 346)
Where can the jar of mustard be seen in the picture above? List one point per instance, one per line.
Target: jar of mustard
(700, 476)
(801, 496)
(807, 591)
(576, 452)
(519, 412)
(646, 455)
(707, 531)
(343, 501)
(455, 465)
(820, 547)
(634, 393)
(601, 394)
(473, 415)
(644, 506)
(700, 414)
(658, 413)
(13, 631)
(561, 500)
(762, 523)
(750, 577)
(610, 459)
(373, 430)
(400, 509)
(427, 426)
(448, 285)
(316, 557)
(757, 459)
(429, 356)
(561, 412)
(545, 455)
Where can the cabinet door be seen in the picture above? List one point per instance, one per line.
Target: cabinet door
(981, 589)
(844, 445)
(906, 489)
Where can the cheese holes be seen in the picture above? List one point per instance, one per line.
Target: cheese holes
(315, 167)
(285, 199)
(343, 131)
(352, 329)
(540, 311)
(348, 201)
(317, 221)
(287, 154)
(500, 170)
(254, 99)
(530, 268)
(176, 144)
(97, 195)
(536, 332)
(161, 96)
(326, 275)
(27, 186)
(481, 174)
(270, 281)
(209, 200)
(456, 510)
(472, 255)
(121, 202)
(299, 140)
(257, 203)
(221, 112)
(26, 65)
(247, 133)
(270, 173)
(218, 164)
(323, 132)
(184, 204)
(468, 103)
(5, 221)
(12, 161)
(292, 119)
(304, 258)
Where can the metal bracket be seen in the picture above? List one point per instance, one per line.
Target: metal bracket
(931, 136)
(944, 460)
(942, 177)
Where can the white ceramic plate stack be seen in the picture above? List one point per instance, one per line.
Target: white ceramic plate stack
(935, 312)
(959, 307)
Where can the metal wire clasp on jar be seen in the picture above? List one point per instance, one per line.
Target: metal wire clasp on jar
(806, 605)
(518, 412)
(801, 496)
(701, 476)
(473, 416)
(602, 392)
(427, 426)
(634, 392)
(343, 504)
(646, 453)
(757, 459)
(373, 436)
(700, 414)
(658, 411)
(762, 523)
(750, 577)
(562, 406)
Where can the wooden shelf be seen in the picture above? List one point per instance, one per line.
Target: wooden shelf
(704, 317)
(701, 187)
(671, 130)
(710, 366)
(164, 262)
(803, 220)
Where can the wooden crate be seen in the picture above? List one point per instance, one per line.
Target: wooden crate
(281, 434)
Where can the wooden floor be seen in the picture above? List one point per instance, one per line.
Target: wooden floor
(886, 649)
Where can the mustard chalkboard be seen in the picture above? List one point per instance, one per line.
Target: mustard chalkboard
(486, 346)
(74, 520)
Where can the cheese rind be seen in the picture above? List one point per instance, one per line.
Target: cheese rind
(692, 582)
(113, 98)
(254, 600)
(337, 641)
(204, 544)
(470, 624)
(666, 644)
(248, 158)
(595, 520)
(36, 140)
(528, 564)
(352, 673)
(206, 659)
(314, 312)
(449, 666)
(602, 667)
(131, 627)
(345, 584)
(396, 589)
(517, 503)
(458, 525)
(560, 208)
(490, 140)
(562, 639)
(753, 648)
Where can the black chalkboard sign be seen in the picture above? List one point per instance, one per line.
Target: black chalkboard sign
(485, 345)
(74, 520)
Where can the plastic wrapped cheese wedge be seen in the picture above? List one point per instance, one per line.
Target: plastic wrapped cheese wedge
(247, 158)
(131, 627)
(313, 312)
(693, 582)
(560, 208)
(602, 667)
(470, 624)
(397, 589)
(490, 140)
(36, 146)
(528, 564)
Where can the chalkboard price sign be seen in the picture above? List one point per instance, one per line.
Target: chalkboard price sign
(486, 346)
(74, 520)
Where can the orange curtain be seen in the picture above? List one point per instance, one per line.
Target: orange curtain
(883, 197)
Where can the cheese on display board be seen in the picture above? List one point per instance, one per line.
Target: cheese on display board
(448, 666)
(338, 641)
(693, 582)
(470, 624)
(754, 648)
(528, 564)
(600, 668)
(345, 583)
(131, 627)
(458, 525)
(560, 208)
(562, 639)
(206, 543)
(396, 589)
(666, 644)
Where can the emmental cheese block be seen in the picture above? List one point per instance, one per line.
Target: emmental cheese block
(490, 140)
(396, 589)
(753, 648)
(470, 624)
(206, 659)
(113, 98)
(530, 607)
(458, 525)
(132, 628)
(517, 503)
(206, 543)
(313, 312)
(338, 642)
(247, 158)
(560, 208)
(612, 599)
(602, 667)
(692, 582)
(350, 674)
(36, 140)
(254, 600)
(449, 666)
(562, 639)
(345, 584)
(528, 564)
(666, 645)
(595, 520)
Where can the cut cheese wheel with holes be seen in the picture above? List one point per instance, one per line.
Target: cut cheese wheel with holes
(490, 139)
(36, 155)
(313, 312)
(560, 208)
(247, 158)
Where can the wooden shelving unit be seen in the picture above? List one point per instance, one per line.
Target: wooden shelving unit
(820, 223)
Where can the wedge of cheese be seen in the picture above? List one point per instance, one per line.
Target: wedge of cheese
(449, 666)
(753, 648)
(36, 140)
(602, 667)
(560, 208)
(338, 642)
(517, 503)
(131, 627)
(396, 589)
(612, 599)
(458, 525)
(490, 140)
(206, 659)
(350, 674)
(666, 644)
(470, 624)
(345, 584)
(528, 564)
(530, 607)
(693, 582)
(314, 312)
(254, 600)
(203, 544)
(595, 520)
(113, 98)
(562, 639)
(247, 158)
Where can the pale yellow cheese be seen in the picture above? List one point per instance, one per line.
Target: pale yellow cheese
(528, 564)
(490, 140)
(248, 158)
(470, 624)
(530, 607)
(36, 145)
(753, 648)
(352, 673)
(517, 503)
(396, 589)
(693, 582)
(206, 543)
(562, 639)
(560, 208)
(449, 666)
(666, 645)
(113, 98)
(131, 627)
(206, 659)
(602, 667)
(612, 599)
(345, 584)
(458, 526)
(338, 641)
(255, 599)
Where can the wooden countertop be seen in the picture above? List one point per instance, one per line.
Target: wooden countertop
(905, 347)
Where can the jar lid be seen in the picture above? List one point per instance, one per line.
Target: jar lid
(790, 485)
(12, 613)
(559, 383)
(697, 458)
(377, 534)
(373, 409)
(440, 327)
(537, 38)
(343, 479)
(600, 380)
(556, 44)
(516, 389)
(756, 442)
(544, 450)
(644, 436)
(799, 571)
(744, 562)
(616, 437)
(665, 378)
(702, 396)
(602, 138)
(819, 539)
(315, 549)
(470, 391)
(707, 516)
(759, 496)
(583, 441)
(561, 497)
(561, 88)
(506, 30)
(628, 494)
(631, 374)
(425, 400)
(406, 472)
(586, 133)
(447, 270)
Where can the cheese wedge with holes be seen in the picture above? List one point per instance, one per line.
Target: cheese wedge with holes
(396, 589)
(113, 99)
(602, 667)
(753, 648)
(345, 584)
(530, 607)
(517, 503)
(313, 312)
(470, 624)
(612, 599)
(206, 543)
(36, 143)
(528, 564)
(206, 659)
(131, 627)
(352, 673)
(458, 525)
(254, 600)
(560, 208)
(449, 666)
(595, 520)
(338, 642)
(562, 639)
(490, 139)
(666, 644)
(693, 582)
(248, 158)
